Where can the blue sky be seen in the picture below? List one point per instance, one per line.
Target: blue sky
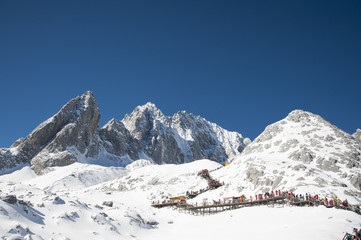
(240, 64)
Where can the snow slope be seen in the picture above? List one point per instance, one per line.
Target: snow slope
(67, 203)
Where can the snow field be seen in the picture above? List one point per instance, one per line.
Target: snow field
(67, 203)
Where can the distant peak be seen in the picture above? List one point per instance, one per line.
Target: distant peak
(148, 106)
(148, 109)
(88, 99)
(298, 112)
(300, 115)
(89, 93)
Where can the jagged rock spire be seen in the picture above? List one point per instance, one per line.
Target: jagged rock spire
(56, 141)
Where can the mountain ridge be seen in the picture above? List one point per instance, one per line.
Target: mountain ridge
(182, 137)
(73, 134)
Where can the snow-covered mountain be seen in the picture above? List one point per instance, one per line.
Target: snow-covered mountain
(177, 139)
(72, 135)
(302, 152)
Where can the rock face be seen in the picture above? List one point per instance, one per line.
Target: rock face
(11, 199)
(357, 135)
(55, 142)
(72, 135)
(117, 140)
(301, 151)
(177, 139)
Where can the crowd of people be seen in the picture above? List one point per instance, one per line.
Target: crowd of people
(290, 196)
(162, 202)
(212, 183)
(267, 195)
(193, 194)
(293, 198)
(318, 200)
(355, 236)
(204, 173)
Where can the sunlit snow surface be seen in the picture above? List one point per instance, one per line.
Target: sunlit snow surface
(67, 204)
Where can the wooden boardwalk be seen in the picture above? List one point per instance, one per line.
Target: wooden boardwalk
(206, 208)
(235, 203)
(166, 204)
(302, 203)
(219, 207)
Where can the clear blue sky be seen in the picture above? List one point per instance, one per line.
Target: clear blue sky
(240, 64)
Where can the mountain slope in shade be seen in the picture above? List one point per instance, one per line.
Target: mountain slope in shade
(53, 143)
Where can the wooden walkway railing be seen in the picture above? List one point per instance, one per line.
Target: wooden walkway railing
(218, 207)
(237, 203)
(223, 206)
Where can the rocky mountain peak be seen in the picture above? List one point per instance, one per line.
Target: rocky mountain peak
(112, 123)
(181, 138)
(56, 141)
(76, 133)
(143, 119)
(301, 115)
(306, 150)
(150, 106)
(149, 109)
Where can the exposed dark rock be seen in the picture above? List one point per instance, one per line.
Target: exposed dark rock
(11, 199)
(117, 140)
(58, 200)
(108, 203)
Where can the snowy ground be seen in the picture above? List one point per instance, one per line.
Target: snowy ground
(67, 203)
